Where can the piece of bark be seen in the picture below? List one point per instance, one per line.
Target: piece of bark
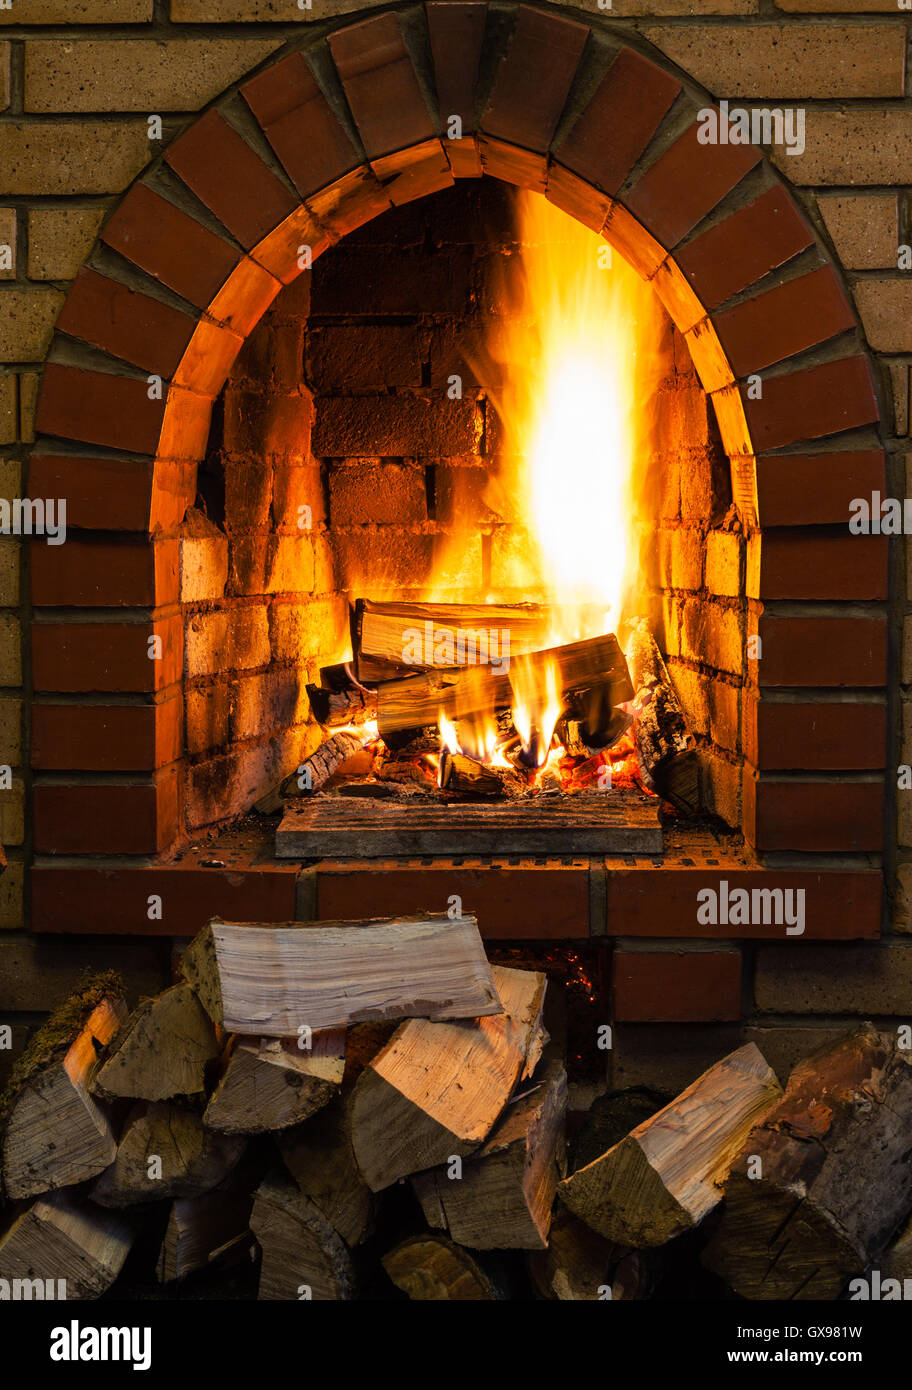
(54, 1133)
(433, 1269)
(71, 1248)
(476, 693)
(665, 746)
(274, 980)
(273, 1083)
(165, 1152)
(823, 1181)
(303, 1256)
(320, 1158)
(437, 1089)
(503, 1195)
(666, 1175)
(161, 1051)
(578, 1264)
(202, 1230)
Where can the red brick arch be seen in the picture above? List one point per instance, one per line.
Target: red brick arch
(201, 245)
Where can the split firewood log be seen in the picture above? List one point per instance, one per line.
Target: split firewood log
(165, 1152)
(666, 1175)
(303, 1256)
(64, 1248)
(501, 1197)
(54, 1133)
(470, 694)
(433, 1269)
(465, 776)
(162, 1050)
(272, 1083)
(407, 1112)
(578, 1264)
(823, 1181)
(275, 980)
(202, 1230)
(320, 1157)
(665, 746)
(389, 639)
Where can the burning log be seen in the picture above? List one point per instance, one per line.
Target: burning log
(667, 1174)
(320, 1158)
(335, 754)
(331, 708)
(433, 1269)
(408, 1115)
(202, 1230)
(275, 980)
(76, 1250)
(664, 744)
(191, 1159)
(328, 759)
(467, 777)
(504, 1194)
(391, 639)
(48, 1096)
(412, 743)
(581, 741)
(274, 1083)
(477, 693)
(303, 1257)
(823, 1181)
(161, 1051)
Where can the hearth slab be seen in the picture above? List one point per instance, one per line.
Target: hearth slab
(329, 827)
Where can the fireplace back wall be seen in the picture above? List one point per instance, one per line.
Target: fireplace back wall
(340, 466)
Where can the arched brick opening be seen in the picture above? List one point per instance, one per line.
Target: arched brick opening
(312, 148)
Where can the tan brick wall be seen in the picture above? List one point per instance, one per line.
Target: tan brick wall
(78, 78)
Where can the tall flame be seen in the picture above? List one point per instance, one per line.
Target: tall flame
(568, 388)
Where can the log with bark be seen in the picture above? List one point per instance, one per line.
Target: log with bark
(202, 1230)
(666, 1175)
(471, 694)
(433, 1269)
(330, 758)
(341, 699)
(54, 1133)
(665, 746)
(275, 980)
(320, 1158)
(408, 1114)
(161, 1051)
(391, 639)
(303, 1256)
(823, 1181)
(501, 1197)
(165, 1151)
(271, 1083)
(64, 1248)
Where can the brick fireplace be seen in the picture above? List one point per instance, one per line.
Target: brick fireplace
(267, 323)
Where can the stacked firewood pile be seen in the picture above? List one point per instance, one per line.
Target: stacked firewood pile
(418, 667)
(373, 1110)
